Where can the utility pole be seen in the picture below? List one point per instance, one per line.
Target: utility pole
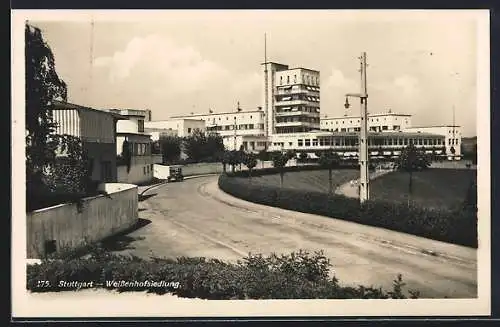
(266, 95)
(364, 191)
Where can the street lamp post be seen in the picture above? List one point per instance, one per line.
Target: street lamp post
(364, 191)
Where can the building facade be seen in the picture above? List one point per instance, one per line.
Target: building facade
(382, 122)
(451, 133)
(184, 126)
(97, 131)
(130, 133)
(346, 144)
(291, 99)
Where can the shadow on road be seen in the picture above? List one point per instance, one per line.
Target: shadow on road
(122, 241)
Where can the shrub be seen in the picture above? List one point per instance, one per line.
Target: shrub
(299, 275)
(457, 226)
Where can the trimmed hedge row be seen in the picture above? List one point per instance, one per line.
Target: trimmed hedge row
(296, 276)
(453, 226)
(289, 169)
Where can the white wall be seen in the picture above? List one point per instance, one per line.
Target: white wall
(376, 121)
(100, 217)
(453, 137)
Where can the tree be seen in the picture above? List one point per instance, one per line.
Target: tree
(170, 148)
(234, 159)
(303, 156)
(329, 160)
(410, 160)
(127, 154)
(43, 86)
(263, 156)
(200, 147)
(250, 160)
(279, 161)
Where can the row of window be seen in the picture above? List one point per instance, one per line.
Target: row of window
(238, 127)
(232, 118)
(297, 89)
(358, 129)
(147, 169)
(350, 121)
(306, 79)
(141, 149)
(371, 141)
(302, 119)
(296, 97)
(298, 108)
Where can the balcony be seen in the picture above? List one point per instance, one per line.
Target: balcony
(296, 103)
(296, 113)
(301, 91)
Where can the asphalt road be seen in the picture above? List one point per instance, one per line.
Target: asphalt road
(195, 218)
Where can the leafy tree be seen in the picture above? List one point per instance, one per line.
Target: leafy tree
(200, 147)
(70, 173)
(329, 160)
(43, 86)
(234, 159)
(410, 160)
(126, 155)
(303, 156)
(263, 156)
(170, 148)
(279, 161)
(250, 160)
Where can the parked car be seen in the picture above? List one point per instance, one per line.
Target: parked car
(175, 174)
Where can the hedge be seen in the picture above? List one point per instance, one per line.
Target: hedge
(299, 275)
(457, 226)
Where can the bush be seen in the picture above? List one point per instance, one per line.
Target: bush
(299, 275)
(457, 226)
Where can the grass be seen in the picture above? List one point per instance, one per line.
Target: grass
(443, 188)
(312, 181)
(436, 188)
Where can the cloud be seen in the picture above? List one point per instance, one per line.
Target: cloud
(161, 63)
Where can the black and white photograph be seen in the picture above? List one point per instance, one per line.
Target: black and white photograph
(178, 163)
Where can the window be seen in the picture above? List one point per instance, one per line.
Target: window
(290, 143)
(300, 142)
(419, 141)
(106, 174)
(315, 142)
(384, 128)
(396, 127)
(152, 167)
(342, 129)
(140, 125)
(295, 78)
(144, 169)
(288, 80)
(281, 80)
(307, 142)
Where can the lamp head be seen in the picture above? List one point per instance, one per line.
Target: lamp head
(347, 104)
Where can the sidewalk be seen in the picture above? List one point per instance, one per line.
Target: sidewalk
(350, 189)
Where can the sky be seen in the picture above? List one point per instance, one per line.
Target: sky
(180, 62)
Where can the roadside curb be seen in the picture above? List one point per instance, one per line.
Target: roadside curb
(149, 188)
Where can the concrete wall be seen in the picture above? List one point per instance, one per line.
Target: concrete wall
(141, 171)
(100, 217)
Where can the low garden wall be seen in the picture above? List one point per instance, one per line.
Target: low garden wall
(72, 225)
(454, 226)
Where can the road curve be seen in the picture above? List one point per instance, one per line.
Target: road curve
(195, 218)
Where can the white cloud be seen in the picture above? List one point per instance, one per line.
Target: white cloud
(161, 63)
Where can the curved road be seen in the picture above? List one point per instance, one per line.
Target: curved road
(195, 218)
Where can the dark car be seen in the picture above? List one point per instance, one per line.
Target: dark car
(175, 174)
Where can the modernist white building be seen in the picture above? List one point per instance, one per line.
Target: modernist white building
(381, 122)
(291, 99)
(139, 144)
(182, 125)
(239, 128)
(451, 133)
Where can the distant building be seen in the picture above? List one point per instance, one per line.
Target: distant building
(291, 99)
(182, 125)
(451, 133)
(382, 122)
(131, 132)
(97, 131)
(239, 128)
